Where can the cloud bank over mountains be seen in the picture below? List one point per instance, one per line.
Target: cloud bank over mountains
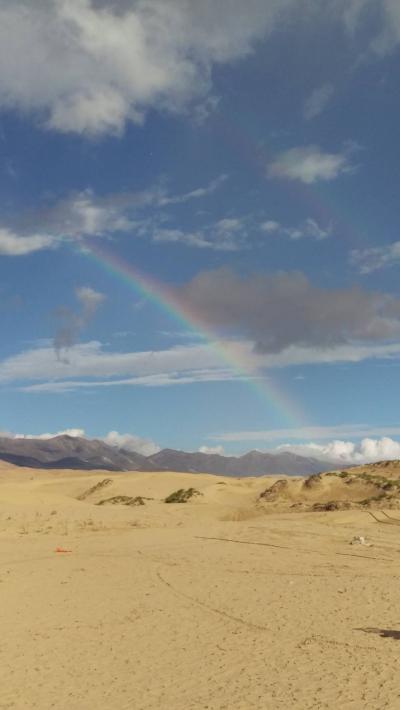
(366, 451)
(129, 442)
(337, 451)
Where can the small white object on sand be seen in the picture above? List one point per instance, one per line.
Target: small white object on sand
(359, 540)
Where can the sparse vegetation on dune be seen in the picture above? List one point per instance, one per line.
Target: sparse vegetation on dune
(94, 489)
(273, 492)
(361, 487)
(182, 495)
(332, 505)
(313, 481)
(123, 500)
(339, 474)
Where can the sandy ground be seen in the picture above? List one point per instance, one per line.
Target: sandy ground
(214, 604)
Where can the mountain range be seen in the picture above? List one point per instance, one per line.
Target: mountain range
(62, 452)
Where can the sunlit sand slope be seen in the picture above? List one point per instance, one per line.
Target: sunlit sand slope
(224, 602)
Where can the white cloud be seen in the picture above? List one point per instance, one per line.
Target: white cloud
(353, 13)
(388, 36)
(347, 452)
(383, 35)
(352, 353)
(199, 192)
(270, 226)
(89, 67)
(85, 214)
(317, 101)
(309, 164)
(168, 379)
(203, 110)
(131, 442)
(89, 299)
(308, 229)
(90, 366)
(219, 450)
(373, 259)
(12, 244)
(229, 234)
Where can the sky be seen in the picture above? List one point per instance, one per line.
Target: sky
(199, 226)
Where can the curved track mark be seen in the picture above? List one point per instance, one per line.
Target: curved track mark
(297, 549)
(224, 614)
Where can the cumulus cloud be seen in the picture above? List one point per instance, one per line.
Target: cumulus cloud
(375, 258)
(89, 67)
(317, 101)
(285, 309)
(347, 452)
(73, 323)
(309, 164)
(131, 442)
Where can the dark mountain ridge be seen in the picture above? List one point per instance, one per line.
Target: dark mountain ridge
(61, 452)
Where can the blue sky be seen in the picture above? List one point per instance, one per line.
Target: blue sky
(246, 159)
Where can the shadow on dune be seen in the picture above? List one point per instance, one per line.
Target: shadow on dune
(384, 633)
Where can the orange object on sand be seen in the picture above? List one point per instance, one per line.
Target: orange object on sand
(61, 549)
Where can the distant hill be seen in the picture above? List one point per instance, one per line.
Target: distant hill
(69, 452)
(92, 454)
(254, 463)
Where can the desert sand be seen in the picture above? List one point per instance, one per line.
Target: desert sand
(225, 602)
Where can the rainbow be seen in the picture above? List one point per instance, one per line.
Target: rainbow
(145, 286)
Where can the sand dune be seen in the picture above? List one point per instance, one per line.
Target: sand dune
(234, 600)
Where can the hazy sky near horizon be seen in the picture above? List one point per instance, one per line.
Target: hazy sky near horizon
(199, 220)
